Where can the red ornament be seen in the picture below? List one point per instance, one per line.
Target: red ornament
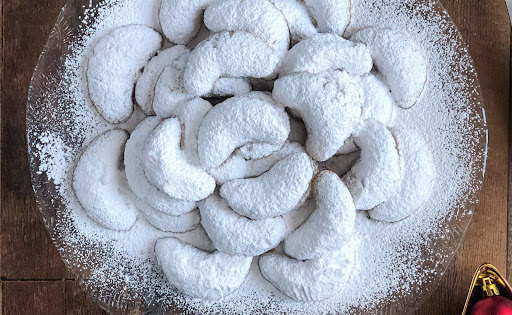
(492, 305)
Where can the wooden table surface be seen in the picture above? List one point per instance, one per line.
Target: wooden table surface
(34, 280)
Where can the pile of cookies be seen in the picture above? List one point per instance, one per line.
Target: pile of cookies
(247, 103)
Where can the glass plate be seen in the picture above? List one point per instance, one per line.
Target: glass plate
(51, 126)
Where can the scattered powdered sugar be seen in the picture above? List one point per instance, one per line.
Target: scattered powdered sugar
(398, 262)
(53, 153)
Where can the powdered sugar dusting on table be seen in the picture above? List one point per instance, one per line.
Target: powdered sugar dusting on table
(396, 261)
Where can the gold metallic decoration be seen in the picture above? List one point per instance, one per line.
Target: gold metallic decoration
(487, 281)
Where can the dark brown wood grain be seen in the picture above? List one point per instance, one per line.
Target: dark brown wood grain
(46, 297)
(33, 278)
(23, 239)
(77, 302)
(28, 297)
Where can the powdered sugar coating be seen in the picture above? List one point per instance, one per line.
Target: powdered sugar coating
(238, 167)
(400, 61)
(377, 175)
(226, 54)
(145, 87)
(322, 52)
(226, 128)
(258, 150)
(311, 280)
(295, 218)
(258, 17)
(169, 89)
(378, 105)
(329, 103)
(419, 174)
(137, 179)
(329, 226)
(234, 234)
(348, 147)
(166, 166)
(297, 16)
(258, 167)
(274, 193)
(230, 87)
(170, 223)
(378, 101)
(100, 184)
(200, 274)
(191, 114)
(267, 98)
(234, 167)
(332, 16)
(114, 67)
(182, 19)
(197, 238)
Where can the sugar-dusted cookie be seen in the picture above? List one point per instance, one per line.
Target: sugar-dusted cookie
(323, 52)
(331, 224)
(310, 280)
(166, 166)
(226, 127)
(239, 167)
(100, 183)
(258, 17)
(331, 16)
(399, 60)
(182, 19)
(173, 59)
(298, 18)
(114, 66)
(234, 234)
(137, 180)
(274, 193)
(200, 274)
(228, 54)
(419, 175)
(329, 103)
(377, 175)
